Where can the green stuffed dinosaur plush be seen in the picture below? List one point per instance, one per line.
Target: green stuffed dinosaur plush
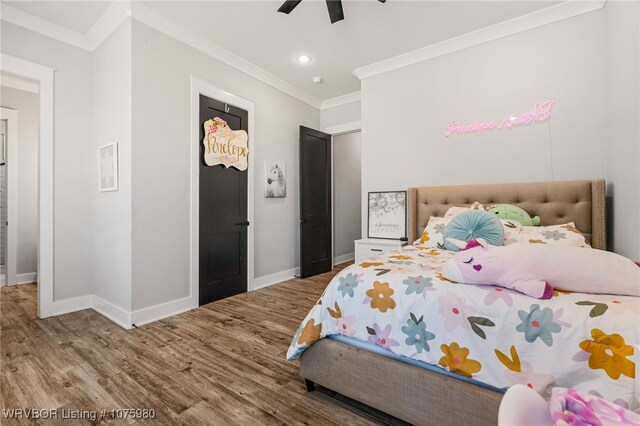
(515, 213)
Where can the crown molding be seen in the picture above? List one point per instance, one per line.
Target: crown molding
(118, 11)
(160, 23)
(44, 27)
(107, 23)
(513, 26)
(8, 80)
(340, 100)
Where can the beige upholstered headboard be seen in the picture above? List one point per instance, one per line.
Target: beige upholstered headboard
(581, 202)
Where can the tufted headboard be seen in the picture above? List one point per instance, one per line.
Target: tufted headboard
(581, 202)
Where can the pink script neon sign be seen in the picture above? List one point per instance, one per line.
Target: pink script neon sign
(540, 112)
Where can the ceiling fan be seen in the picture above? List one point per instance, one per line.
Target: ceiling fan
(334, 6)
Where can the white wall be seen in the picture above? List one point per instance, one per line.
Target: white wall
(111, 233)
(341, 114)
(405, 112)
(623, 123)
(26, 104)
(73, 179)
(161, 158)
(347, 187)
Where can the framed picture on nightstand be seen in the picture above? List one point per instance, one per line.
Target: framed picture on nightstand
(387, 216)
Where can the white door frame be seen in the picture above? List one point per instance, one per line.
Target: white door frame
(43, 75)
(340, 129)
(199, 87)
(11, 157)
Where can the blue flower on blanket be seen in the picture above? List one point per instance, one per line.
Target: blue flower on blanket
(418, 285)
(553, 235)
(417, 334)
(348, 283)
(439, 228)
(538, 323)
(380, 337)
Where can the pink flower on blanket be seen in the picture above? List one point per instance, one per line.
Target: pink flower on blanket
(527, 376)
(380, 337)
(344, 325)
(622, 305)
(455, 311)
(496, 293)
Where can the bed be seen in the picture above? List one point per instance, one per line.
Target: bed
(432, 390)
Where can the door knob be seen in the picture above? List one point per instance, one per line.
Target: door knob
(246, 223)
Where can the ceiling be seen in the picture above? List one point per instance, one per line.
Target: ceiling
(371, 31)
(78, 16)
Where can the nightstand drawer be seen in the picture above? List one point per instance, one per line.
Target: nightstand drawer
(365, 252)
(367, 248)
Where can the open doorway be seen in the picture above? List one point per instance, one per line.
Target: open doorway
(347, 190)
(40, 76)
(19, 123)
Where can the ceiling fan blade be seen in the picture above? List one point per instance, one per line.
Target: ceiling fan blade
(288, 6)
(335, 10)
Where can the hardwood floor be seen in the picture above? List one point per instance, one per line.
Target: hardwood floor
(223, 363)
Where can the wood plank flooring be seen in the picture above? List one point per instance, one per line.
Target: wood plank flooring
(223, 363)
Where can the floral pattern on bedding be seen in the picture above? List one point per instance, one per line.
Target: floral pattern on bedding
(401, 302)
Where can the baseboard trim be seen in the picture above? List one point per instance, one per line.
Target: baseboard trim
(112, 312)
(276, 278)
(344, 258)
(164, 310)
(66, 306)
(30, 277)
(161, 311)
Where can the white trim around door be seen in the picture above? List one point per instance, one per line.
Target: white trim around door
(199, 87)
(10, 157)
(337, 130)
(342, 129)
(44, 76)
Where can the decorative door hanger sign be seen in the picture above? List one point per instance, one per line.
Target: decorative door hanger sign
(541, 111)
(223, 145)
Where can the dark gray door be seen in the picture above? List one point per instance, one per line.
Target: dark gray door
(315, 202)
(223, 214)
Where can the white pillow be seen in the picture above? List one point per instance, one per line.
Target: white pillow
(555, 235)
(432, 236)
(456, 210)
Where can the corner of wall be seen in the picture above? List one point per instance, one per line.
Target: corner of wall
(111, 211)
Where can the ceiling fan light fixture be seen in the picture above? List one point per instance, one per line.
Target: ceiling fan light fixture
(304, 59)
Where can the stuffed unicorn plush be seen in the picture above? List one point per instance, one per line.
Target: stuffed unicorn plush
(535, 270)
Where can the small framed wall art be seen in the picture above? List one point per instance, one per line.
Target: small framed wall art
(275, 179)
(108, 167)
(387, 216)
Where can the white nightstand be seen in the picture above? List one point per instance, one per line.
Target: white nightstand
(370, 247)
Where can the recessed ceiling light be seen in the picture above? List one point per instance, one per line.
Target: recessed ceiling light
(304, 59)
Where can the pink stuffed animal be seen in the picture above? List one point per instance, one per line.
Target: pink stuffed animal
(533, 269)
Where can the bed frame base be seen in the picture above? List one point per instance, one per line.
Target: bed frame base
(410, 393)
(309, 385)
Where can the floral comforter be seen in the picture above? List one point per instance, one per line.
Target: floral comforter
(401, 302)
